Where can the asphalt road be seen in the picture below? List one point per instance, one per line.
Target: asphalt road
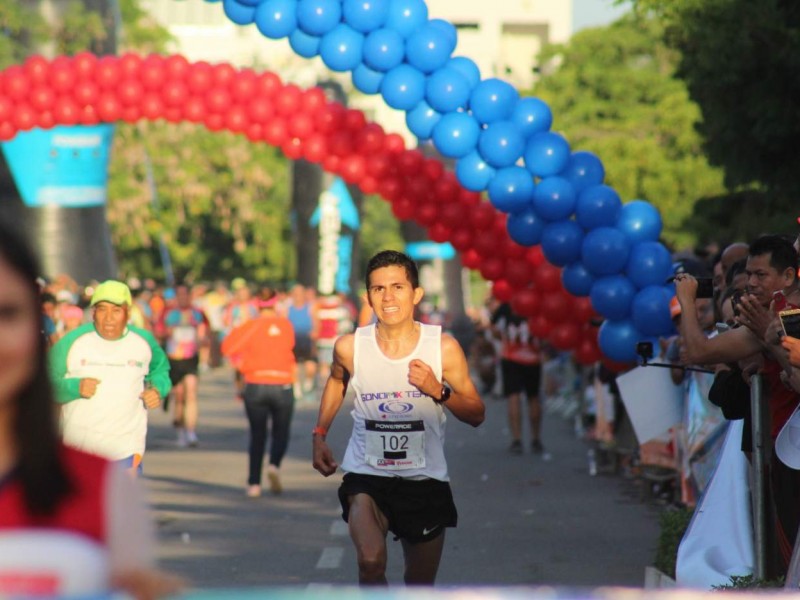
(523, 521)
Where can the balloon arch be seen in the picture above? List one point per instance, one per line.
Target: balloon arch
(554, 240)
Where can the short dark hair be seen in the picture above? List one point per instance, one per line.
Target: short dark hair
(41, 472)
(781, 250)
(740, 266)
(392, 258)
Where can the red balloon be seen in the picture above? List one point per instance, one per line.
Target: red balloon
(378, 164)
(451, 214)
(341, 143)
(331, 163)
(433, 169)
(514, 250)
(176, 67)
(519, 273)
(85, 92)
(255, 132)
(471, 259)
(468, 199)
(89, 116)
(243, 86)
(236, 119)
(539, 326)
(482, 216)
(41, 98)
(313, 100)
(445, 190)
(587, 353)
(214, 122)
(417, 187)
(128, 65)
(582, 308)
(260, 111)
(173, 114)
(46, 119)
(6, 109)
(152, 73)
(25, 117)
(391, 188)
(426, 214)
(461, 238)
(152, 106)
(174, 93)
(439, 233)
(564, 336)
(403, 208)
(557, 307)
(17, 83)
(492, 268)
(315, 148)
(267, 85)
(7, 131)
(218, 100)
(109, 108)
(84, 64)
(330, 118)
(502, 291)
(525, 303)
(410, 162)
(485, 244)
(617, 367)
(195, 110)
(368, 184)
(37, 68)
(131, 114)
(301, 125)
(292, 148)
(369, 140)
(199, 78)
(354, 120)
(224, 74)
(547, 278)
(353, 168)
(535, 256)
(288, 100)
(66, 112)
(107, 73)
(130, 92)
(394, 143)
(276, 132)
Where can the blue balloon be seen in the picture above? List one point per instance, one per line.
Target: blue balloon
(584, 170)
(650, 311)
(554, 198)
(303, 44)
(493, 100)
(365, 15)
(276, 19)
(546, 154)
(421, 120)
(500, 144)
(366, 80)
(448, 29)
(618, 339)
(605, 251)
(598, 206)
(640, 221)
(532, 116)
(561, 242)
(649, 264)
(318, 17)
(406, 16)
(447, 90)
(252, 3)
(239, 11)
(383, 49)
(456, 134)
(525, 227)
(340, 48)
(468, 68)
(403, 87)
(612, 296)
(473, 173)
(511, 189)
(577, 280)
(428, 49)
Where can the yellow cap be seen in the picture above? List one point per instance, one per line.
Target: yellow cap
(238, 283)
(112, 291)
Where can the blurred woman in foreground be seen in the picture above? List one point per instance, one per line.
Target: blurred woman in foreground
(70, 523)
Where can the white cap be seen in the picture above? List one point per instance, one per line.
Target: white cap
(787, 444)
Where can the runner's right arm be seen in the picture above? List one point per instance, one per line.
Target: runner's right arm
(332, 399)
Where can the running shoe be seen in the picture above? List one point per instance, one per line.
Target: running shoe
(515, 447)
(191, 439)
(182, 441)
(536, 447)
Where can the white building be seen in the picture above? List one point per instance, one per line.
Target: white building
(503, 38)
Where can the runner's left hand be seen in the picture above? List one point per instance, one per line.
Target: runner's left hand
(151, 398)
(421, 376)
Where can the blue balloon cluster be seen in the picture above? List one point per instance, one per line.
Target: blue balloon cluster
(502, 145)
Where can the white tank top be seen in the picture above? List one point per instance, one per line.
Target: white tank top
(397, 430)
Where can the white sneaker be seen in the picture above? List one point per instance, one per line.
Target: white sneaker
(191, 439)
(182, 441)
(274, 478)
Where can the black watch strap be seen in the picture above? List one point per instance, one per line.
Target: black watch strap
(446, 391)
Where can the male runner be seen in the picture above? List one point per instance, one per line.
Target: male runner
(395, 471)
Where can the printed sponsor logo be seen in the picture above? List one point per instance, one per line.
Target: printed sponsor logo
(391, 395)
(395, 408)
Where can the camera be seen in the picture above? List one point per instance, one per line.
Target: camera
(645, 350)
(790, 322)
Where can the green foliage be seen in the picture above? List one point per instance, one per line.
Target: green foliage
(222, 203)
(614, 92)
(21, 29)
(741, 62)
(673, 524)
(79, 28)
(140, 31)
(740, 582)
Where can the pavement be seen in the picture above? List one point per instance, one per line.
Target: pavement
(523, 520)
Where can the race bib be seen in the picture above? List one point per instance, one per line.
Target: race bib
(184, 334)
(395, 446)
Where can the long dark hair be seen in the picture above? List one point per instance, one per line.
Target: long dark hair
(40, 469)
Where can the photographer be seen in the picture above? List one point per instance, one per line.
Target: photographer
(771, 269)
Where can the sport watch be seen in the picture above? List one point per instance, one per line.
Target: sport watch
(445, 396)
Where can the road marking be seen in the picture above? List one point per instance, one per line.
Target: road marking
(331, 558)
(339, 528)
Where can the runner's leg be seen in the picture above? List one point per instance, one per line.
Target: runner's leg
(422, 560)
(190, 402)
(368, 527)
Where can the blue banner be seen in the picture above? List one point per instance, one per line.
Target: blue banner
(63, 166)
(430, 250)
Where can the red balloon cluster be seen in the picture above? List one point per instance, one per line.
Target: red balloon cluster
(85, 89)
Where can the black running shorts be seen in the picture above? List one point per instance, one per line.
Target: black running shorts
(519, 377)
(180, 368)
(417, 510)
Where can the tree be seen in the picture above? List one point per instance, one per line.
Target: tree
(614, 92)
(21, 29)
(741, 62)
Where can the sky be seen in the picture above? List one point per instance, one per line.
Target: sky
(593, 13)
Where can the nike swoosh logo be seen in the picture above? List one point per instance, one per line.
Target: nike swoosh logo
(427, 531)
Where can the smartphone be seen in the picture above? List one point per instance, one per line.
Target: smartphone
(722, 327)
(790, 321)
